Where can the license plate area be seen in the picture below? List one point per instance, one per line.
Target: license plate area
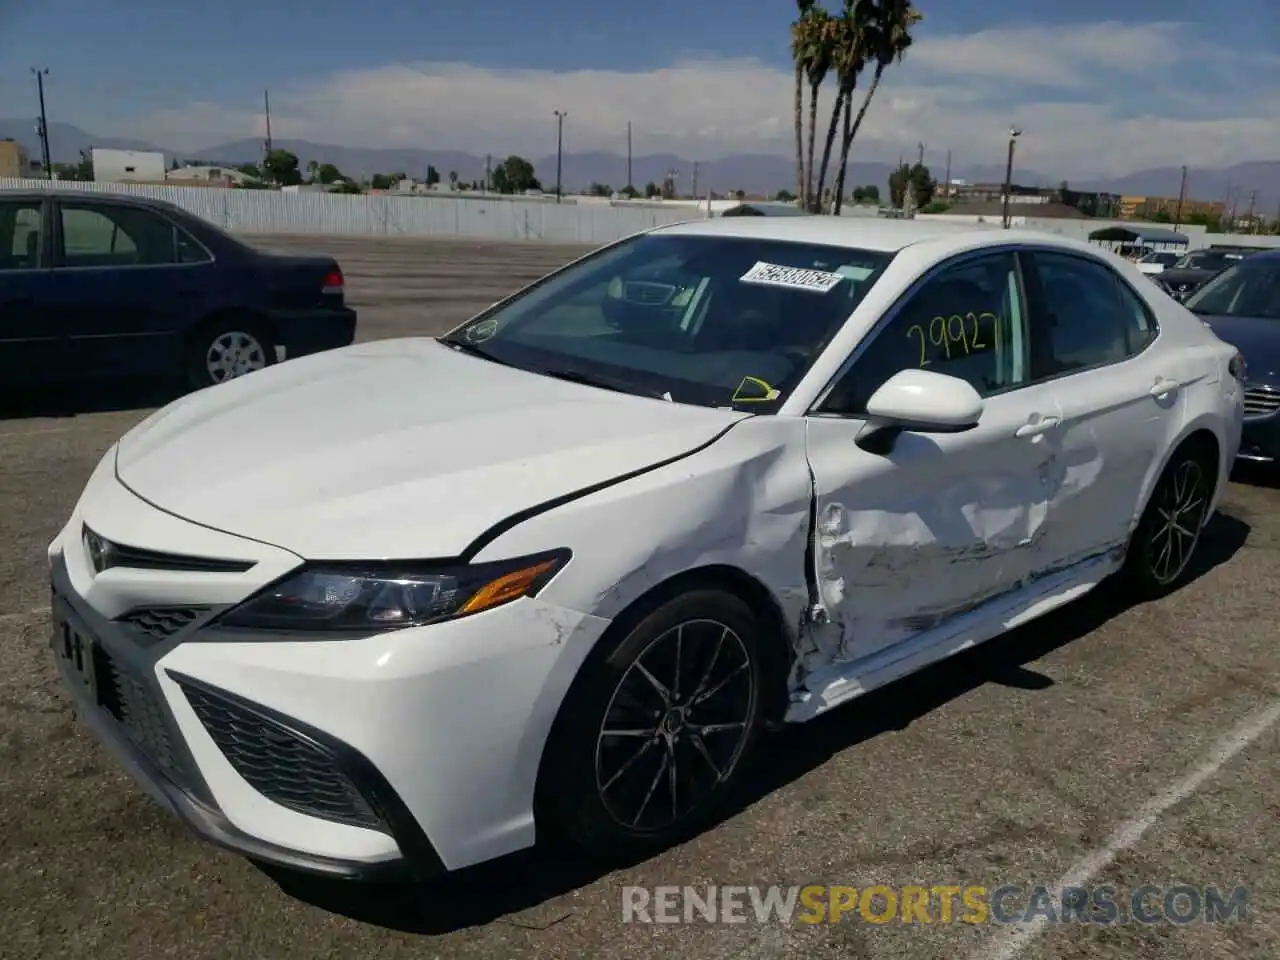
(79, 653)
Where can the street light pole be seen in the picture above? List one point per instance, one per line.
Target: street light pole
(560, 115)
(1014, 134)
(43, 129)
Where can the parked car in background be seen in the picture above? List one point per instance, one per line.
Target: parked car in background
(1157, 261)
(1242, 306)
(565, 564)
(99, 285)
(1194, 269)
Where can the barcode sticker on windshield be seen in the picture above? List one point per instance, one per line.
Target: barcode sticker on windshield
(793, 278)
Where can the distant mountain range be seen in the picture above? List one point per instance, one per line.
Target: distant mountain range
(754, 173)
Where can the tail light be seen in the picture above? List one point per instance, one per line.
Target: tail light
(334, 285)
(1236, 366)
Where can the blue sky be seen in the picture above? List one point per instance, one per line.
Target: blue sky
(185, 74)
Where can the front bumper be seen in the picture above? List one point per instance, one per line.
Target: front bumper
(271, 748)
(1260, 441)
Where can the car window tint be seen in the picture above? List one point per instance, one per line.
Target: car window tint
(1251, 288)
(1088, 319)
(20, 234)
(967, 321)
(115, 236)
(188, 249)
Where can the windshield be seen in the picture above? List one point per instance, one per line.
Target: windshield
(1167, 259)
(1250, 288)
(706, 320)
(1203, 261)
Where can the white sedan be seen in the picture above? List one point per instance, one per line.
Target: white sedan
(407, 605)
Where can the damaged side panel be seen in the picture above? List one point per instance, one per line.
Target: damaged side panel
(744, 502)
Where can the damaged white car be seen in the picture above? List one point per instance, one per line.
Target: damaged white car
(406, 605)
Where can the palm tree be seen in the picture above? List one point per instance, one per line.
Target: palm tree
(848, 58)
(818, 65)
(800, 56)
(887, 32)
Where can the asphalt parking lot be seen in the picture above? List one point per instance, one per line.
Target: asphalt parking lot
(1107, 744)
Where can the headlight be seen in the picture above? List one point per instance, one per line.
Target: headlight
(373, 597)
(1237, 367)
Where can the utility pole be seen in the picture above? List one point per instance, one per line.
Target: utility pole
(43, 128)
(920, 158)
(266, 104)
(946, 182)
(1235, 207)
(1014, 134)
(560, 115)
(1253, 200)
(630, 182)
(695, 179)
(488, 171)
(1182, 198)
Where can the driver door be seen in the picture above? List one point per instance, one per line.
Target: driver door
(919, 532)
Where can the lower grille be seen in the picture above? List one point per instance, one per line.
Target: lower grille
(133, 704)
(1260, 403)
(282, 764)
(161, 623)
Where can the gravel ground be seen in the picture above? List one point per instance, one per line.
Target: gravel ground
(1090, 742)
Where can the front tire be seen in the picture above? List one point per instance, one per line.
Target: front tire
(652, 736)
(1160, 553)
(227, 349)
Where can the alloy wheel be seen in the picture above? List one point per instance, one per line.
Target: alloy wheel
(1179, 517)
(675, 727)
(233, 354)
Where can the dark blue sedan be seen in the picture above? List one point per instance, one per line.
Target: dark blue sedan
(1242, 305)
(99, 286)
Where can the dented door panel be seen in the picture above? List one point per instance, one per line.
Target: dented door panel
(931, 530)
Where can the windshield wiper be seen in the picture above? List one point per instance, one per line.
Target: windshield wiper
(472, 349)
(605, 383)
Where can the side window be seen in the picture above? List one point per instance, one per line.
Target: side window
(20, 235)
(1091, 316)
(968, 321)
(188, 249)
(116, 236)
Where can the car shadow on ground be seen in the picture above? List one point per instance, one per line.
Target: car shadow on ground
(1264, 475)
(512, 887)
(90, 396)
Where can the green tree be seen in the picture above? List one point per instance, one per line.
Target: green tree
(923, 186)
(886, 37)
(813, 37)
(600, 190)
(898, 183)
(630, 192)
(513, 175)
(327, 174)
(281, 167)
(784, 196)
(651, 190)
(313, 167)
(433, 176)
(848, 58)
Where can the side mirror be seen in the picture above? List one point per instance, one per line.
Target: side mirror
(923, 402)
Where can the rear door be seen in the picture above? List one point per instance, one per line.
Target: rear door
(1120, 396)
(30, 342)
(128, 283)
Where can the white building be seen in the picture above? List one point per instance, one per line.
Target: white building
(219, 176)
(124, 166)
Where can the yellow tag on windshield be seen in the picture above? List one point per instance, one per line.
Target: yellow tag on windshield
(754, 390)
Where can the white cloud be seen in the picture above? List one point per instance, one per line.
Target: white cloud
(1073, 90)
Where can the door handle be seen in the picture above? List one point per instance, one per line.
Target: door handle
(1163, 387)
(1040, 427)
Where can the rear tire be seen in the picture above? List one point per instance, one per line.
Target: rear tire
(1164, 543)
(656, 728)
(227, 348)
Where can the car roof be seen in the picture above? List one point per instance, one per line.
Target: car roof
(868, 233)
(130, 199)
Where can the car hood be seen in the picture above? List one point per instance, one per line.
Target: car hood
(401, 449)
(1257, 338)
